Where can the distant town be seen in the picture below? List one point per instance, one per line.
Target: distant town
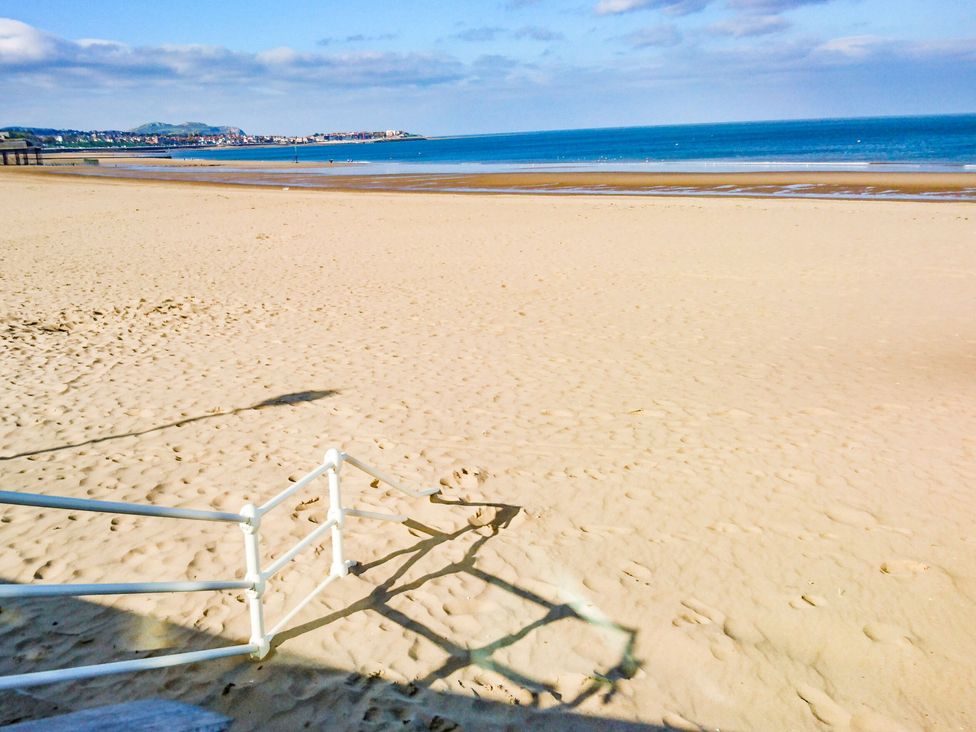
(158, 135)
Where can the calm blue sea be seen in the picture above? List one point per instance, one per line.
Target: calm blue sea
(896, 143)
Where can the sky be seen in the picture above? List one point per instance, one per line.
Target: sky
(468, 67)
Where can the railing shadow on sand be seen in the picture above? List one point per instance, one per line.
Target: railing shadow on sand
(285, 692)
(378, 601)
(282, 400)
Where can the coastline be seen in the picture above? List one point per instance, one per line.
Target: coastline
(874, 185)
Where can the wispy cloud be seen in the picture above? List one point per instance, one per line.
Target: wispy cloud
(662, 35)
(672, 7)
(773, 6)
(357, 38)
(686, 7)
(487, 34)
(538, 33)
(750, 25)
(479, 35)
(808, 58)
(858, 50)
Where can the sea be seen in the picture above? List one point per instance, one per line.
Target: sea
(926, 144)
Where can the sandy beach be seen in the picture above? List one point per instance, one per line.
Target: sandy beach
(706, 463)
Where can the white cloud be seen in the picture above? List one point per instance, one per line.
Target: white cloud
(773, 6)
(281, 56)
(959, 49)
(21, 43)
(538, 33)
(658, 35)
(684, 7)
(857, 49)
(750, 25)
(100, 43)
(853, 47)
(27, 51)
(672, 7)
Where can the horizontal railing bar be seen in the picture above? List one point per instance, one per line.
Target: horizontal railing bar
(21, 681)
(357, 513)
(17, 498)
(300, 606)
(291, 553)
(128, 588)
(294, 488)
(386, 478)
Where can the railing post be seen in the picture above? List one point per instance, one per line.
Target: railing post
(252, 559)
(340, 568)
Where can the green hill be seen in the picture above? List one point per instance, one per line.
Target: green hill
(184, 129)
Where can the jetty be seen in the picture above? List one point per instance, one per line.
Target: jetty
(20, 152)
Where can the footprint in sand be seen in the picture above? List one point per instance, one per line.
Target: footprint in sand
(903, 567)
(797, 477)
(697, 613)
(638, 572)
(852, 517)
(887, 633)
(673, 720)
(824, 708)
(42, 571)
(721, 644)
(742, 631)
(723, 527)
(868, 721)
(860, 519)
(807, 601)
(834, 715)
(467, 480)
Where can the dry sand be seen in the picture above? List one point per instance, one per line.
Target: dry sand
(741, 432)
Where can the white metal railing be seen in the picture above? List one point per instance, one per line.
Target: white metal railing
(254, 582)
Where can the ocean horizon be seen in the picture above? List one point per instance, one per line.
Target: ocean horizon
(937, 143)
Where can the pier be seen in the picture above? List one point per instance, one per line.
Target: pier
(20, 152)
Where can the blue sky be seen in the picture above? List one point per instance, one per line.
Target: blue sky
(492, 66)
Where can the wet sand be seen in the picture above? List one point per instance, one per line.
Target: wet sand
(854, 184)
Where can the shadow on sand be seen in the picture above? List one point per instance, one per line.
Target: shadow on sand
(603, 683)
(283, 692)
(285, 399)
